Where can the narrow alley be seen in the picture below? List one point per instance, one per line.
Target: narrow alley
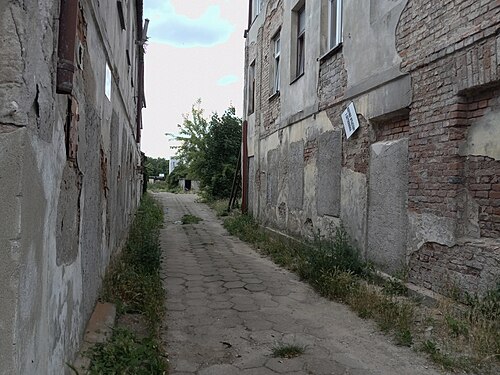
(228, 307)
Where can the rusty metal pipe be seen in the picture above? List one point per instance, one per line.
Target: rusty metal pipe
(244, 168)
(140, 70)
(68, 19)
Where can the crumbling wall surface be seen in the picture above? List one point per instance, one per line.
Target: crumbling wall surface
(55, 162)
(387, 212)
(469, 266)
(453, 138)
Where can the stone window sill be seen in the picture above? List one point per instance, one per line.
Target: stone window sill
(330, 53)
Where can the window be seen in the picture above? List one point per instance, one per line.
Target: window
(301, 35)
(276, 66)
(255, 8)
(334, 23)
(251, 88)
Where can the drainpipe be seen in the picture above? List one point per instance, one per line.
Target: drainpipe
(140, 71)
(244, 169)
(68, 18)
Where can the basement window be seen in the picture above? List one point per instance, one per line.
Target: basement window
(107, 83)
(251, 88)
(121, 16)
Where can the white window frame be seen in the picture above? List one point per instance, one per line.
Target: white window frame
(251, 88)
(301, 42)
(334, 23)
(256, 5)
(276, 67)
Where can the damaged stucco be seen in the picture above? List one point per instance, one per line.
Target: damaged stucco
(61, 222)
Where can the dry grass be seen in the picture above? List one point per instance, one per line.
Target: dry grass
(455, 336)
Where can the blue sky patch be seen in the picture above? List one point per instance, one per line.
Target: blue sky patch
(227, 80)
(178, 30)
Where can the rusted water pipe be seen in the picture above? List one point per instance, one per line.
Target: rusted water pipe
(68, 18)
(244, 169)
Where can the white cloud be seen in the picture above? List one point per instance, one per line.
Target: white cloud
(179, 30)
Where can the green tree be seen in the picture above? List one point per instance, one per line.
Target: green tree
(223, 145)
(192, 135)
(210, 148)
(156, 166)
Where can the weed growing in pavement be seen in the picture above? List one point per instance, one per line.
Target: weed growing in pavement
(190, 219)
(133, 283)
(336, 271)
(158, 186)
(219, 206)
(126, 354)
(288, 350)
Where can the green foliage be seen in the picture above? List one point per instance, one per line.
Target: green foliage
(133, 283)
(335, 270)
(159, 186)
(456, 326)
(192, 135)
(154, 167)
(179, 172)
(431, 348)
(288, 350)
(219, 206)
(125, 354)
(467, 335)
(190, 219)
(394, 287)
(223, 147)
(210, 149)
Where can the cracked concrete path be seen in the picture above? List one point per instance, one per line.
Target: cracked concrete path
(227, 307)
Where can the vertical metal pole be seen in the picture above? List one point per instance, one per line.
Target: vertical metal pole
(244, 170)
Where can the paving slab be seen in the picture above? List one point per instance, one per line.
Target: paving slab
(228, 307)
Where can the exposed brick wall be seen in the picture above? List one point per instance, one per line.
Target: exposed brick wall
(482, 173)
(438, 122)
(331, 89)
(392, 129)
(483, 183)
(332, 80)
(310, 149)
(451, 49)
(271, 105)
(466, 266)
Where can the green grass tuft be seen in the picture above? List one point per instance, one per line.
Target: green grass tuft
(133, 283)
(336, 271)
(288, 350)
(190, 219)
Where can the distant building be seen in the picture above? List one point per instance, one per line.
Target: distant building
(71, 96)
(172, 164)
(417, 184)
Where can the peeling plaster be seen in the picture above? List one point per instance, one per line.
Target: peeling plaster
(429, 228)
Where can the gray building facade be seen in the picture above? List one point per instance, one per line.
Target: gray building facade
(416, 186)
(71, 96)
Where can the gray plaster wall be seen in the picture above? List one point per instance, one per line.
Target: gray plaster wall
(329, 172)
(354, 206)
(378, 88)
(296, 176)
(251, 185)
(388, 201)
(61, 221)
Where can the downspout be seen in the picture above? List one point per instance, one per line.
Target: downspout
(68, 18)
(140, 70)
(244, 169)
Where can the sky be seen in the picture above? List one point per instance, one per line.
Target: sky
(195, 50)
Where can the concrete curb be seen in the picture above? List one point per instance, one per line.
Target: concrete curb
(99, 330)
